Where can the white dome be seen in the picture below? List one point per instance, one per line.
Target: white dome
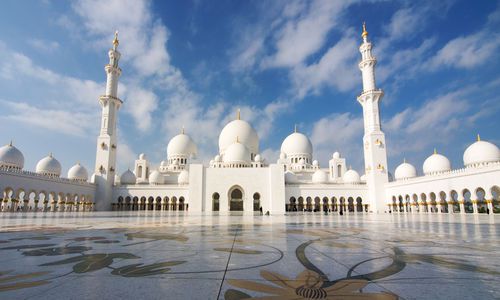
(257, 158)
(481, 152)
(128, 177)
(404, 171)
(155, 178)
(290, 177)
(237, 153)
(243, 132)
(217, 158)
(181, 144)
(49, 166)
(142, 156)
(336, 155)
(315, 163)
(78, 172)
(351, 176)
(436, 163)
(296, 144)
(11, 157)
(183, 177)
(363, 177)
(320, 176)
(163, 163)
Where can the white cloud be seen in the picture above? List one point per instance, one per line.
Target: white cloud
(44, 45)
(336, 68)
(70, 123)
(338, 132)
(467, 51)
(125, 157)
(305, 33)
(140, 104)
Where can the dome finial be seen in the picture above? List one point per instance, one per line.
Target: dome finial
(404, 160)
(295, 128)
(478, 138)
(115, 40)
(238, 115)
(364, 34)
(182, 130)
(50, 154)
(435, 151)
(10, 144)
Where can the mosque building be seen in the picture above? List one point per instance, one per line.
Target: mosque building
(238, 178)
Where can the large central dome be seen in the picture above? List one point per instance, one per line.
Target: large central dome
(241, 131)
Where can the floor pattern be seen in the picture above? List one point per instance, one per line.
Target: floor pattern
(158, 255)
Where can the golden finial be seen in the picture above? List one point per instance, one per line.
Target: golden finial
(50, 154)
(115, 41)
(435, 151)
(10, 144)
(478, 138)
(238, 115)
(404, 160)
(295, 129)
(182, 130)
(365, 33)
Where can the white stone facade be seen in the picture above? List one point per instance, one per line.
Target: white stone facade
(238, 178)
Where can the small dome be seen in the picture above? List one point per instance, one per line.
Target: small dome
(128, 177)
(117, 179)
(404, 171)
(78, 173)
(351, 176)
(320, 176)
(49, 166)
(336, 155)
(363, 177)
(237, 153)
(315, 163)
(183, 177)
(302, 161)
(163, 163)
(92, 177)
(436, 163)
(241, 130)
(282, 155)
(176, 162)
(142, 156)
(481, 152)
(257, 158)
(290, 177)
(155, 178)
(297, 144)
(181, 145)
(217, 158)
(11, 157)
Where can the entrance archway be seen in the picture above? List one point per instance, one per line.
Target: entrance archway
(235, 199)
(256, 202)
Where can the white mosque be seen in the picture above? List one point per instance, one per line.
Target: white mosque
(238, 178)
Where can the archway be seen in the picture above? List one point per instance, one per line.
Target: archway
(495, 194)
(158, 203)
(235, 199)
(359, 204)
(309, 204)
(256, 202)
(182, 205)
(301, 204)
(293, 204)
(215, 201)
(350, 204)
(317, 204)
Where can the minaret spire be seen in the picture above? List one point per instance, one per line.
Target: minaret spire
(375, 150)
(295, 129)
(238, 114)
(105, 164)
(478, 138)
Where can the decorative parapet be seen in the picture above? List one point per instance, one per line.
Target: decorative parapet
(11, 171)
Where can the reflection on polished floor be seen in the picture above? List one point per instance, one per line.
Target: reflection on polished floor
(177, 255)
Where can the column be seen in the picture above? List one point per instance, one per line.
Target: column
(474, 206)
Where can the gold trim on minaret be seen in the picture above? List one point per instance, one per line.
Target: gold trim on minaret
(478, 138)
(364, 33)
(116, 42)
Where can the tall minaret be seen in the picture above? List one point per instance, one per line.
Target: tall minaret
(105, 161)
(374, 138)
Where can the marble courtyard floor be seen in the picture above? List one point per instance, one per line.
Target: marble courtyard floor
(176, 255)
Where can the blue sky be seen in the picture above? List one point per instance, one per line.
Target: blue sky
(194, 63)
